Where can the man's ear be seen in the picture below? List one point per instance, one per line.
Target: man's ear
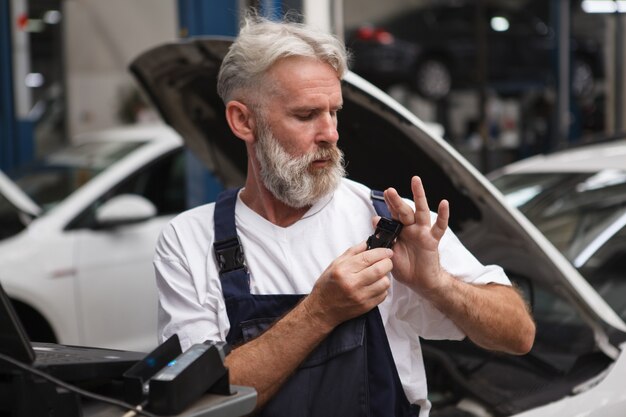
(241, 120)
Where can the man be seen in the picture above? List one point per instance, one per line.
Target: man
(281, 270)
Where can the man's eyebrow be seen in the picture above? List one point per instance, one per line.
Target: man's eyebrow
(303, 108)
(309, 108)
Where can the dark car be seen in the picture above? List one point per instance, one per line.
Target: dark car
(434, 50)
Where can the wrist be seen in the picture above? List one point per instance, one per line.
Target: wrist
(443, 285)
(316, 316)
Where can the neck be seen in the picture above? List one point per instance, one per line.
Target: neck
(263, 202)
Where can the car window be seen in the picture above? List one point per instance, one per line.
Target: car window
(606, 271)
(521, 189)
(570, 209)
(584, 216)
(53, 178)
(162, 182)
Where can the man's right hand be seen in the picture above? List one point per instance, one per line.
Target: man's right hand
(352, 285)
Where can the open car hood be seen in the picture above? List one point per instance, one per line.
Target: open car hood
(17, 197)
(384, 145)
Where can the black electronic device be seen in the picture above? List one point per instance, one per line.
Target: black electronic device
(137, 378)
(387, 230)
(198, 370)
(168, 381)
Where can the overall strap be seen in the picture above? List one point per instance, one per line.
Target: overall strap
(224, 216)
(379, 203)
(227, 247)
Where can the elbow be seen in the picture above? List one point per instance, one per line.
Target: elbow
(526, 338)
(525, 330)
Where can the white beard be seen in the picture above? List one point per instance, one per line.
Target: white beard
(290, 179)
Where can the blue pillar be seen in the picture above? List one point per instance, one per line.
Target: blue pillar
(272, 9)
(16, 135)
(215, 17)
(276, 9)
(8, 132)
(198, 18)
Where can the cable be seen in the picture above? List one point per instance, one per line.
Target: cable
(133, 413)
(136, 409)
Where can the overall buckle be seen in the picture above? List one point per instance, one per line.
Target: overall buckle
(229, 254)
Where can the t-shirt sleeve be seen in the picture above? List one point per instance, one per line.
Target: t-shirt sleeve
(185, 307)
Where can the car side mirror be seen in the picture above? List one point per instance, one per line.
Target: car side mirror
(124, 209)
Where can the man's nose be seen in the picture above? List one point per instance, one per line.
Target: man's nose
(327, 131)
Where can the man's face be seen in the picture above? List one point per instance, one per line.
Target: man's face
(296, 133)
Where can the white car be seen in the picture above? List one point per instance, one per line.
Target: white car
(577, 364)
(577, 199)
(78, 231)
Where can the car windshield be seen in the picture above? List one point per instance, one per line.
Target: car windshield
(53, 178)
(584, 216)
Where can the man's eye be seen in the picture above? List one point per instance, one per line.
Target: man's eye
(304, 116)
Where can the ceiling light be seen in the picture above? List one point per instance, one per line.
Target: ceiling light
(604, 6)
(499, 24)
(52, 17)
(34, 80)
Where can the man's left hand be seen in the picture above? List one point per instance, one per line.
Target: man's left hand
(416, 256)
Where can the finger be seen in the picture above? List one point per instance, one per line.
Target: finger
(378, 288)
(422, 212)
(399, 209)
(375, 272)
(355, 260)
(370, 257)
(368, 267)
(441, 224)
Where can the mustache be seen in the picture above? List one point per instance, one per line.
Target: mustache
(331, 152)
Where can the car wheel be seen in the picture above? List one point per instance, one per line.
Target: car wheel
(37, 327)
(433, 79)
(582, 78)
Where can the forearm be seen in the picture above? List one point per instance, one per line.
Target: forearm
(493, 316)
(266, 362)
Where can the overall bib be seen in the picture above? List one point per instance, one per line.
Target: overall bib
(350, 374)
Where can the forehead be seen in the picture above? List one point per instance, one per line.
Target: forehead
(305, 78)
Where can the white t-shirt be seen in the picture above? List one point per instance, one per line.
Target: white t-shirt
(288, 260)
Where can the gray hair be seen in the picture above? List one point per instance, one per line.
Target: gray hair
(262, 42)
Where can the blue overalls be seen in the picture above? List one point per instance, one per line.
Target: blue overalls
(351, 373)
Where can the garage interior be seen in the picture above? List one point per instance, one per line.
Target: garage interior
(498, 80)
(69, 59)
